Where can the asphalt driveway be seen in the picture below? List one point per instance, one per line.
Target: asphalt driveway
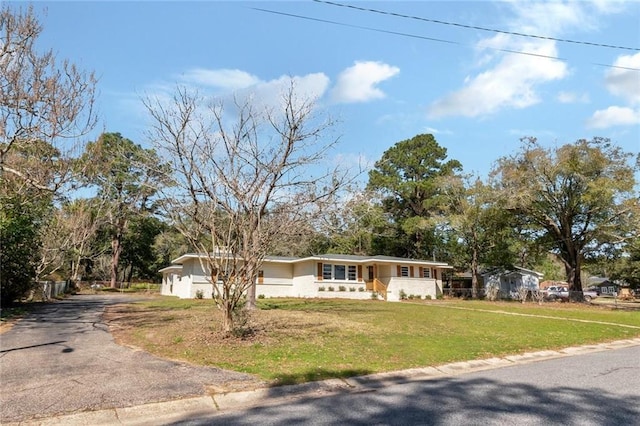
(62, 359)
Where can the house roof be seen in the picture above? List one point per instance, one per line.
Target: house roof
(170, 268)
(515, 269)
(329, 257)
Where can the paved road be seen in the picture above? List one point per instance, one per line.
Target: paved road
(600, 388)
(62, 359)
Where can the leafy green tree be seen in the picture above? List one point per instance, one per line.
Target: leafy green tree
(577, 199)
(627, 268)
(127, 178)
(351, 228)
(20, 221)
(482, 229)
(409, 177)
(138, 254)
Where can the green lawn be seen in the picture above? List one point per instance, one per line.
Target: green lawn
(299, 340)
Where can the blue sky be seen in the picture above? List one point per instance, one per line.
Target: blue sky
(383, 87)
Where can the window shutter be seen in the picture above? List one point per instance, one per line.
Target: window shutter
(411, 271)
(319, 271)
(359, 272)
(398, 270)
(421, 272)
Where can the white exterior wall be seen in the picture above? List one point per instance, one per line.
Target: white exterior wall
(277, 281)
(336, 284)
(532, 282)
(417, 286)
(357, 295)
(182, 287)
(305, 283)
(168, 281)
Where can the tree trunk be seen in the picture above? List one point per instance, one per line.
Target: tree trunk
(130, 274)
(474, 274)
(227, 318)
(251, 296)
(572, 267)
(116, 249)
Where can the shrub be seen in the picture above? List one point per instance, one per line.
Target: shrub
(199, 294)
(361, 289)
(374, 295)
(330, 288)
(241, 320)
(417, 296)
(427, 297)
(342, 288)
(261, 296)
(352, 289)
(321, 288)
(439, 297)
(410, 297)
(403, 295)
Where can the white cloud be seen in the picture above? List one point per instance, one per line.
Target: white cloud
(435, 131)
(572, 97)
(509, 80)
(625, 83)
(553, 18)
(614, 116)
(511, 83)
(226, 79)
(358, 83)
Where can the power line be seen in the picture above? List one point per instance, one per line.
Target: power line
(436, 21)
(439, 40)
(354, 26)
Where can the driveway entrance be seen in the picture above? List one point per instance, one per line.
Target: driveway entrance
(62, 359)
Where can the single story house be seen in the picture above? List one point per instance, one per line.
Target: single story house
(509, 281)
(603, 286)
(327, 275)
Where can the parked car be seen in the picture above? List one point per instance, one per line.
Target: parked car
(556, 292)
(562, 293)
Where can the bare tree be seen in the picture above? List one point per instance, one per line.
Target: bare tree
(241, 183)
(522, 292)
(43, 103)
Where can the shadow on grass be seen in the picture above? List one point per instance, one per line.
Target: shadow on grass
(316, 375)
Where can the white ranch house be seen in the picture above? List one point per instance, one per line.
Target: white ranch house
(329, 275)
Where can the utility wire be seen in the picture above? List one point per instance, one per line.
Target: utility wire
(354, 26)
(518, 52)
(455, 24)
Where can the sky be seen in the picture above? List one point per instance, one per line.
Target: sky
(478, 75)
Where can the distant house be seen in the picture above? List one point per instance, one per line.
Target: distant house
(603, 286)
(328, 275)
(510, 280)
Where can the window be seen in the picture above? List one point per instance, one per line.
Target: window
(327, 269)
(260, 276)
(352, 273)
(426, 272)
(339, 272)
(404, 271)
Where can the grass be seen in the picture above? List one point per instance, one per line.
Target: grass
(299, 340)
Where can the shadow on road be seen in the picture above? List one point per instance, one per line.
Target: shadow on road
(445, 401)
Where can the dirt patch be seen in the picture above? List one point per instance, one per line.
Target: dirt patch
(131, 324)
(7, 325)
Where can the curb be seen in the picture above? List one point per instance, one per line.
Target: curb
(216, 403)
